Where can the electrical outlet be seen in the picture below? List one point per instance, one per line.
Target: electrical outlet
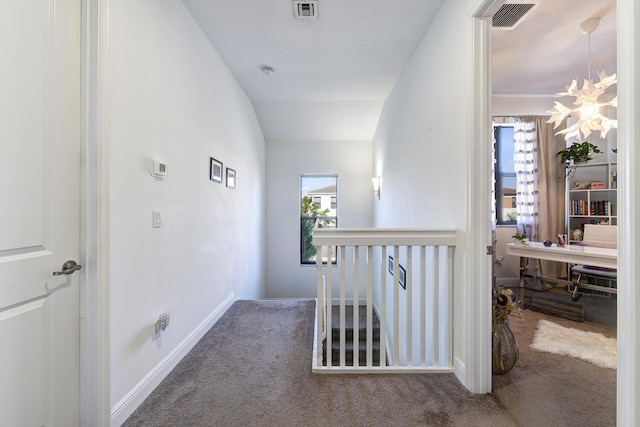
(158, 169)
(160, 325)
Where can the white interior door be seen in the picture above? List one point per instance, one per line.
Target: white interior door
(39, 213)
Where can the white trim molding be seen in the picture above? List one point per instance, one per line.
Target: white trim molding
(477, 355)
(125, 407)
(459, 369)
(628, 375)
(94, 217)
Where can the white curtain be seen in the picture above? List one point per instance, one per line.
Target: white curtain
(525, 163)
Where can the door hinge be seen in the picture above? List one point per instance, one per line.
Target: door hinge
(489, 250)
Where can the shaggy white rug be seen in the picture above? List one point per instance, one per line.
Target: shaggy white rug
(589, 346)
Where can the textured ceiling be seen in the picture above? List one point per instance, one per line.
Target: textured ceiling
(332, 74)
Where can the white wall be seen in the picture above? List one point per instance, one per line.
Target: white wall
(508, 105)
(307, 120)
(173, 98)
(286, 161)
(421, 144)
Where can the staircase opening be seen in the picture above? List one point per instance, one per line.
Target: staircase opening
(350, 352)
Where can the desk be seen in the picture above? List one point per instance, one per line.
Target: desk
(572, 254)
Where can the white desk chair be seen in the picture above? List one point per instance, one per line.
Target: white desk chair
(603, 236)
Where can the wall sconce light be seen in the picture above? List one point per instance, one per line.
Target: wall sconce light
(376, 186)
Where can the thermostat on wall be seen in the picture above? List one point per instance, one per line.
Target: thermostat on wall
(158, 168)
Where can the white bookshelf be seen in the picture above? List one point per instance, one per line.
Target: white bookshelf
(586, 203)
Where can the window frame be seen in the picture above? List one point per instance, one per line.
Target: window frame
(499, 176)
(333, 218)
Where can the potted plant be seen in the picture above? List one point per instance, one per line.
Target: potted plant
(577, 152)
(522, 238)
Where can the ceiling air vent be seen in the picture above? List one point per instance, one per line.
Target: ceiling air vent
(305, 9)
(510, 15)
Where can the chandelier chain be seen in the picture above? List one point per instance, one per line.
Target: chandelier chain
(589, 57)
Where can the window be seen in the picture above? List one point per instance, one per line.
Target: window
(505, 176)
(318, 208)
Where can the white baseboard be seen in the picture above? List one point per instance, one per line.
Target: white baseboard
(130, 402)
(459, 370)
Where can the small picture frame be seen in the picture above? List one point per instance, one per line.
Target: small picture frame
(402, 280)
(215, 170)
(390, 265)
(231, 178)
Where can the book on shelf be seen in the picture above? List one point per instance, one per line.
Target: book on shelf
(579, 207)
(593, 208)
(599, 208)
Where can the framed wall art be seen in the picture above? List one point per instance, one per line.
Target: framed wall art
(403, 277)
(231, 178)
(215, 170)
(402, 273)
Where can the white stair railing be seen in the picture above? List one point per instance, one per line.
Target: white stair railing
(406, 277)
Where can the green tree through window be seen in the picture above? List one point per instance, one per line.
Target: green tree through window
(318, 209)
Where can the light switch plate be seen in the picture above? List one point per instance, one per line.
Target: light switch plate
(156, 219)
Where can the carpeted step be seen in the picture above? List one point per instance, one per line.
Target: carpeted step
(362, 347)
(362, 316)
(362, 333)
(362, 351)
(348, 359)
(362, 354)
(349, 332)
(348, 321)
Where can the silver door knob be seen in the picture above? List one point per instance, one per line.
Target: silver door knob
(68, 268)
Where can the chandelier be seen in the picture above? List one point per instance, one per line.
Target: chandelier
(587, 107)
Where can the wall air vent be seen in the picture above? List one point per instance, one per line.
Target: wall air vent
(510, 15)
(305, 9)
